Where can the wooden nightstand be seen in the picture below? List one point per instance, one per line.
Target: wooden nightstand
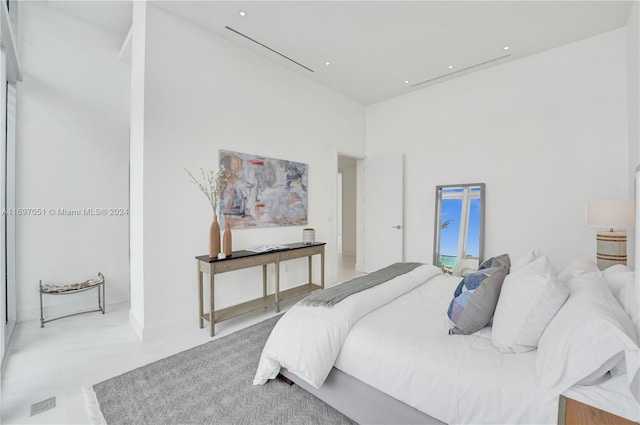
(572, 412)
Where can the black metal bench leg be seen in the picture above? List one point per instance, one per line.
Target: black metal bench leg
(41, 311)
(103, 307)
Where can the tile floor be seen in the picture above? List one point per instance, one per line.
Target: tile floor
(84, 350)
(346, 268)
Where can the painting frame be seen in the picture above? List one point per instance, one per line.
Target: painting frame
(263, 191)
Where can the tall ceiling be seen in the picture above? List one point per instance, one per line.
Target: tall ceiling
(380, 49)
(114, 16)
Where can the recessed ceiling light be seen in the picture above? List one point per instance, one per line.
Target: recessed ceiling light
(505, 48)
(406, 81)
(242, 13)
(450, 66)
(327, 63)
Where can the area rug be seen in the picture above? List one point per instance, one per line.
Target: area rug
(208, 384)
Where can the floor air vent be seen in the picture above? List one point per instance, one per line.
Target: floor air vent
(43, 406)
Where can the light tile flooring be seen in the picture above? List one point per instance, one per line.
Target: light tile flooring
(347, 268)
(84, 350)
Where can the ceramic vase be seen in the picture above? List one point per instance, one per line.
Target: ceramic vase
(308, 236)
(214, 238)
(226, 241)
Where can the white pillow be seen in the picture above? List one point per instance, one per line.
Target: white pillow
(465, 267)
(529, 299)
(577, 268)
(618, 276)
(527, 258)
(629, 298)
(584, 340)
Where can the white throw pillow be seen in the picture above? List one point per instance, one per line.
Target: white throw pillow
(577, 268)
(585, 339)
(629, 298)
(465, 267)
(618, 277)
(529, 299)
(527, 258)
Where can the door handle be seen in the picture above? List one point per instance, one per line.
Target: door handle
(397, 226)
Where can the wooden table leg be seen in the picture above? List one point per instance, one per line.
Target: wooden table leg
(212, 322)
(277, 294)
(264, 281)
(200, 300)
(310, 269)
(322, 267)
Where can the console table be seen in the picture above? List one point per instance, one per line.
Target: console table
(245, 259)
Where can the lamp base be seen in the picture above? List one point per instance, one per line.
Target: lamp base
(612, 249)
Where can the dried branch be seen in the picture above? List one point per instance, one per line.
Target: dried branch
(212, 184)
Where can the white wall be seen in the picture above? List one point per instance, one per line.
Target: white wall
(349, 201)
(3, 281)
(72, 152)
(545, 133)
(633, 81)
(136, 165)
(202, 94)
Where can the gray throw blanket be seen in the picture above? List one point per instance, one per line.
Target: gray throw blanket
(329, 297)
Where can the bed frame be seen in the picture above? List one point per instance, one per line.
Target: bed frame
(361, 402)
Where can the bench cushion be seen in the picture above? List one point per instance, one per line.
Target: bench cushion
(50, 288)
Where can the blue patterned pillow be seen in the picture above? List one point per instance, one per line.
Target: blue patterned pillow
(475, 298)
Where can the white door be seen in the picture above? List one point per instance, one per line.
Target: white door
(383, 211)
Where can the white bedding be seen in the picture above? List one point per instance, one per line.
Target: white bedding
(454, 378)
(307, 339)
(395, 338)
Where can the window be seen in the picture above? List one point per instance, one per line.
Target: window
(10, 73)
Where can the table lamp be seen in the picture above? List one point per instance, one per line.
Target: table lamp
(611, 245)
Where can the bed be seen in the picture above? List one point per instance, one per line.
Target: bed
(385, 355)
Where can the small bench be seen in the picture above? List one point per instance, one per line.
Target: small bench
(73, 288)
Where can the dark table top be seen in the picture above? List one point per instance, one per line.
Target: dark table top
(245, 253)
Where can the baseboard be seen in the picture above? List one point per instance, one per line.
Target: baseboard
(135, 324)
(332, 278)
(10, 327)
(163, 329)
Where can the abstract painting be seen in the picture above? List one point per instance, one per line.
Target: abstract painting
(263, 191)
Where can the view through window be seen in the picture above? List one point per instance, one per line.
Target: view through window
(459, 225)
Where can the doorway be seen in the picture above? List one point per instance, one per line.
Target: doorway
(347, 217)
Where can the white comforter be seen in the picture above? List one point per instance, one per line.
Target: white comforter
(404, 350)
(395, 338)
(307, 339)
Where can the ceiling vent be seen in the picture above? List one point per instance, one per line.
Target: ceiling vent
(449, 74)
(268, 48)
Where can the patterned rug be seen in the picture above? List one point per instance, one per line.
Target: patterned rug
(209, 384)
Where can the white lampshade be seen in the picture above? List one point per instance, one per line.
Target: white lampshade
(610, 214)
